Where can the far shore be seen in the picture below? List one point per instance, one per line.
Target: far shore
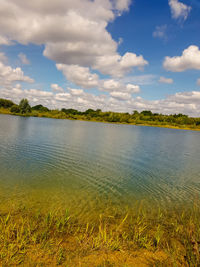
(52, 116)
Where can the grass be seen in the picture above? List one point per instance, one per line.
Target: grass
(56, 114)
(144, 236)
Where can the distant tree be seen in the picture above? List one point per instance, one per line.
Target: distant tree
(70, 111)
(15, 109)
(40, 108)
(146, 113)
(135, 112)
(24, 106)
(98, 111)
(90, 111)
(6, 103)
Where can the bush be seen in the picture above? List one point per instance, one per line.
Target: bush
(6, 103)
(15, 109)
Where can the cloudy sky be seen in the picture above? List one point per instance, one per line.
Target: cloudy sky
(117, 55)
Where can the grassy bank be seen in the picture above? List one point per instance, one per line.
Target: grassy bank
(56, 114)
(143, 236)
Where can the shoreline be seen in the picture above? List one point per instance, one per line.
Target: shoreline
(133, 238)
(7, 112)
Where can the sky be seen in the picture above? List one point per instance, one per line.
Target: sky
(113, 55)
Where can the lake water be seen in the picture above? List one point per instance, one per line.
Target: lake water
(87, 166)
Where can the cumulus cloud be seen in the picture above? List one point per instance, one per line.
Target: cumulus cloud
(75, 36)
(166, 80)
(117, 65)
(80, 76)
(56, 88)
(132, 88)
(160, 32)
(73, 32)
(4, 40)
(179, 10)
(120, 95)
(8, 75)
(3, 57)
(190, 59)
(111, 85)
(122, 5)
(140, 79)
(119, 90)
(23, 58)
(185, 102)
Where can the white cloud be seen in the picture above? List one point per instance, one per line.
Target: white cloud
(160, 32)
(111, 85)
(179, 10)
(185, 102)
(76, 92)
(24, 59)
(118, 89)
(63, 97)
(73, 32)
(122, 5)
(190, 59)
(120, 95)
(140, 79)
(132, 88)
(3, 57)
(4, 40)
(166, 80)
(8, 75)
(198, 81)
(117, 65)
(80, 76)
(56, 88)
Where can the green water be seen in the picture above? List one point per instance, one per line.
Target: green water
(90, 167)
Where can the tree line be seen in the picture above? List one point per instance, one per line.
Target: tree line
(145, 117)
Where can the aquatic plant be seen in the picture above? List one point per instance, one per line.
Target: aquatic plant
(153, 236)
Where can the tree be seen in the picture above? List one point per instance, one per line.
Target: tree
(40, 108)
(6, 103)
(15, 109)
(24, 106)
(146, 113)
(135, 113)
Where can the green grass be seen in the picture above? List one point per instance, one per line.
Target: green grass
(56, 114)
(146, 234)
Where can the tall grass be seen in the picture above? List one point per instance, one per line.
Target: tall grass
(166, 237)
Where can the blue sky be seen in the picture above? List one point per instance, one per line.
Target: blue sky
(115, 55)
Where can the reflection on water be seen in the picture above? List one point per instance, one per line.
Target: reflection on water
(85, 166)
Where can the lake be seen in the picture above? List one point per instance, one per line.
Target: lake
(90, 167)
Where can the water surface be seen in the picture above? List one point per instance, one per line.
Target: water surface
(86, 165)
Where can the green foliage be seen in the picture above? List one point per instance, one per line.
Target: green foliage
(70, 111)
(6, 103)
(24, 106)
(40, 108)
(60, 239)
(146, 113)
(145, 117)
(15, 109)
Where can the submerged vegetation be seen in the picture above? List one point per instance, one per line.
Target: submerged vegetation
(143, 236)
(136, 234)
(137, 118)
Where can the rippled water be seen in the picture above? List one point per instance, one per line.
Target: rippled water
(86, 165)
